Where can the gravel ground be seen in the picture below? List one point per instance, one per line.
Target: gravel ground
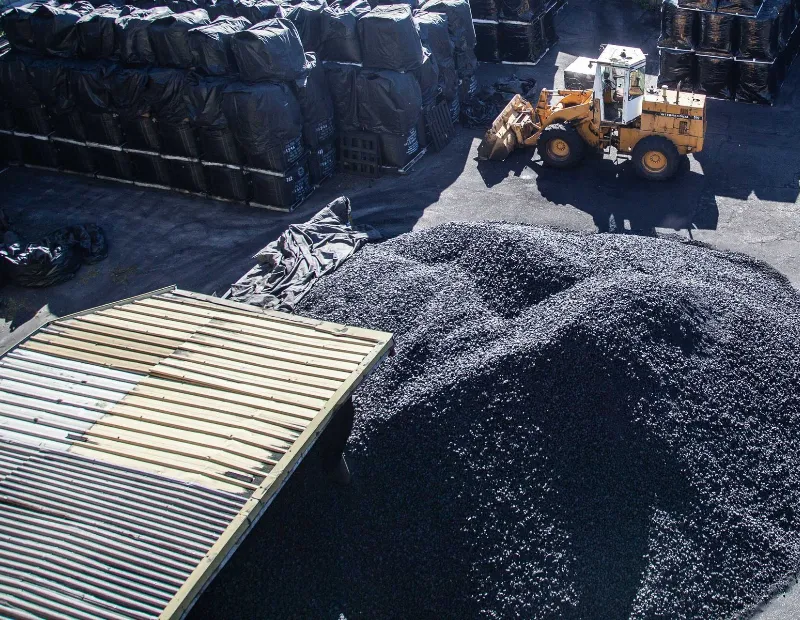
(574, 426)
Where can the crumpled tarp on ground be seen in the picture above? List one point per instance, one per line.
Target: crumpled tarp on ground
(288, 267)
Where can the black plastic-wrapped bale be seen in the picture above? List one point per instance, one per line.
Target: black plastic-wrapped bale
(284, 191)
(757, 82)
(739, 7)
(342, 79)
(128, 92)
(388, 102)
(188, 175)
(74, 157)
(16, 22)
(131, 35)
(257, 11)
(339, 31)
(10, 149)
(49, 77)
(433, 32)
(91, 84)
(398, 150)
(69, 126)
(220, 8)
(315, 102)
(15, 85)
(170, 40)
(759, 37)
(165, 95)
(149, 168)
(38, 152)
(519, 10)
(702, 5)
(211, 45)
(549, 34)
(716, 33)
(266, 122)
(428, 77)
(788, 20)
(103, 128)
(390, 39)
(141, 133)
(270, 50)
(676, 66)
(521, 43)
(306, 15)
(33, 120)
(54, 28)
(677, 26)
(716, 76)
(96, 32)
(487, 48)
(113, 164)
(204, 96)
(322, 163)
(484, 9)
(225, 182)
(459, 21)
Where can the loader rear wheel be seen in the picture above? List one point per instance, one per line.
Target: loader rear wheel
(655, 158)
(560, 146)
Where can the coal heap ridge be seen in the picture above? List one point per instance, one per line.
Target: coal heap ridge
(573, 426)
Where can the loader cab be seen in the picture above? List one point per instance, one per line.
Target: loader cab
(619, 81)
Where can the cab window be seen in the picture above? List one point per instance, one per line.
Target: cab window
(637, 84)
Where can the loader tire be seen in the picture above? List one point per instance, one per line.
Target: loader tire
(560, 146)
(655, 158)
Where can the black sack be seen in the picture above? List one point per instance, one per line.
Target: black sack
(459, 21)
(55, 258)
(390, 39)
(740, 7)
(339, 36)
(49, 77)
(517, 10)
(91, 85)
(129, 92)
(677, 26)
(16, 23)
(203, 97)
(428, 77)
(307, 18)
(257, 11)
(165, 95)
(676, 66)
(54, 28)
(96, 32)
(519, 42)
(434, 34)
(131, 34)
(211, 45)
(757, 82)
(15, 84)
(759, 37)
(315, 102)
(487, 48)
(388, 102)
(703, 5)
(342, 84)
(715, 76)
(266, 122)
(271, 50)
(716, 33)
(169, 37)
(486, 9)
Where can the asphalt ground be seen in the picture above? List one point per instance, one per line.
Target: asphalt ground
(739, 194)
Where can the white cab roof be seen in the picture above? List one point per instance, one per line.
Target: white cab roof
(621, 56)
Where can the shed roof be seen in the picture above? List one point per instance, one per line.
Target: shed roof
(139, 441)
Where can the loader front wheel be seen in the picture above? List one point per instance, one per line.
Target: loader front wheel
(655, 158)
(560, 146)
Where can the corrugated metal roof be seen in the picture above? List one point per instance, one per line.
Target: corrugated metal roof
(141, 440)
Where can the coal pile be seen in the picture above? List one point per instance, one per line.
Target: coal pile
(573, 426)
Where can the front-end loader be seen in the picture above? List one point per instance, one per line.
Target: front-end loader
(654, 128)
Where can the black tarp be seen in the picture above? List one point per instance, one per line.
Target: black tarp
(54, 30)
(487, 48)
(178, 139)
(342, 79)
(288, 267)
(517, 10)
(141, 132)
(69, 125)
(286, 191)
(434, 33)
(715, 76)
(15, 85)
(390, 39)
(741, 7)
(398, 150)
(96, 32)
(91, 85)
(757, 82)
(520, 42)
(676, 66)
(428, 77)
(218, 8)
(150, 168)
(33, 120)
(203, 98)
(16, 23)
(315, 103)
(55, 258)
(169, 37)
(306, 15)
(677, 26)
(270, 50)
(459, 20)
(211, 45)
(187, 175)
(388, 102)
(759, 36)
(716, 33)
(322, 163)
(257, 11)
(165, 95)
(49, 77)
(129, 92)
(224, 182)
(131, 34)
(267, 123)
(339, 31)
(102, 128)
(218, 144)
(487, 9)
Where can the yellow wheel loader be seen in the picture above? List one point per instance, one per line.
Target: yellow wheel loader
(654, 128)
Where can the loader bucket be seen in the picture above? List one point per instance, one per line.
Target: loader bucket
(501, 139)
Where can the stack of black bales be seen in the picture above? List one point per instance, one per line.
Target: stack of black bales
(728, 49)
(514, 31)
